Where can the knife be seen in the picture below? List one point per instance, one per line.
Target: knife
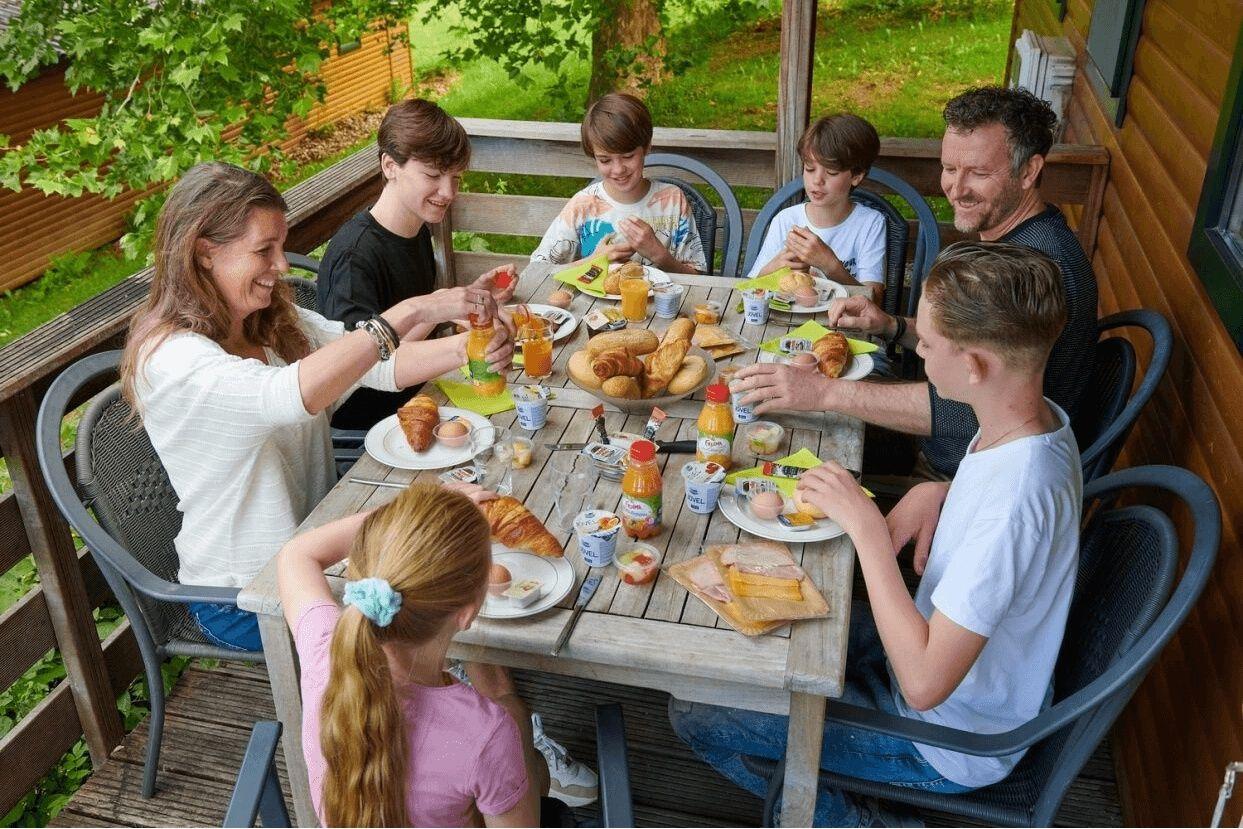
(584, 595)
(667, 446)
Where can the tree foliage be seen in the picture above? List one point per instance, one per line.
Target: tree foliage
(177, 76)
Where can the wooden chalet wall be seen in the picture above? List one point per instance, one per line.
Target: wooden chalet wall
(37, 227)
(1184, 724)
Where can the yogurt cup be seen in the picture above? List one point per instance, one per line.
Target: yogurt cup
(667, 299)
(532, 405)
(704, 481)
(755, 305)
(743, 412)
(597, 532)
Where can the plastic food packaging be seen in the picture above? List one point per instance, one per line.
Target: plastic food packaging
(764, 437)
(638, 563)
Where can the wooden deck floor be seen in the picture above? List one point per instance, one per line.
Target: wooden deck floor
(211, 711)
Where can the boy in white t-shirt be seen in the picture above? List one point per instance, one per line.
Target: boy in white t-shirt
(624, 215)
(829, 232)
(997, 548)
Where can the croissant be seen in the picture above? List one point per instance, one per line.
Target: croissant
(417, 418)
(517, 527)
(660, 366)
(833, 352)
(612, 363)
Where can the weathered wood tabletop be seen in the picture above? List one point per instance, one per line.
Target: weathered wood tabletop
(654, 635)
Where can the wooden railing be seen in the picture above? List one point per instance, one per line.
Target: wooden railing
(58, 613)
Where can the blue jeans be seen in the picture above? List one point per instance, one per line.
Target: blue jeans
(227, 625)
(721, 736)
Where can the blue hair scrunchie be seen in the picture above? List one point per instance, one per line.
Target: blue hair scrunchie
(375, 598)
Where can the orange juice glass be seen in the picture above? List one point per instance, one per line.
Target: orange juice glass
(536, 350)
(634, 298)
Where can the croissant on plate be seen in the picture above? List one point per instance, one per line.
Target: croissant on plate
(833, 352)
(660, 366)
(612, 363)
(516, 527)
(417, 418)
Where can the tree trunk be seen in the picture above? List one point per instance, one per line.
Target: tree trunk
(623, 31)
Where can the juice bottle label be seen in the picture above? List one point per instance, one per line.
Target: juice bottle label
(713, 448)
(480, 372)
(640, 515)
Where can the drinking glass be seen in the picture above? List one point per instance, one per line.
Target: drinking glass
(574, 479)
(536, 342)
(493, 450)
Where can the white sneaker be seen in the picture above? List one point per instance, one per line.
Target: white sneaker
(569, 780)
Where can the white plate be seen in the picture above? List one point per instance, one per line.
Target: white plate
(567, 322)
(836, 291)
(654, 276)
(387, 443)
(737, 513)
(557, 574)
(861, 365)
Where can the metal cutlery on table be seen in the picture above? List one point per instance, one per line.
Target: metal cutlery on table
(584, 596)
(666, 446)
(369, 482)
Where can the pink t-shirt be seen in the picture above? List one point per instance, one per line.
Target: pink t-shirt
(464, 749)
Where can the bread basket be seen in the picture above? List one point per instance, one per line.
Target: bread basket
(644, 405)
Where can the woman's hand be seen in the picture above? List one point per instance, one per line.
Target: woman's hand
(444, 305)
(474, 492)
(860, 312)
(838, 495)
(775, 387)
(500, 354)
(915, 518)
(488, 282)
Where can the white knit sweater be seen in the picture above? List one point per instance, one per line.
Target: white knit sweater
(246, 459)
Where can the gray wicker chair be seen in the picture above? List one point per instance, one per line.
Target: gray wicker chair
(1122, 615)
(257, 792)
(125, 510)
(897, 236)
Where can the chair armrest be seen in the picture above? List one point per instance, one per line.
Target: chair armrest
(616, 807)
(257, 788)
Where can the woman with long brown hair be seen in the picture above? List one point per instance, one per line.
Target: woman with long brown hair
(235, 385)
(390, 738)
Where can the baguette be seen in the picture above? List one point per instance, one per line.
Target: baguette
(579, 367)
(681, 329)
(689, 376)
(635, 341)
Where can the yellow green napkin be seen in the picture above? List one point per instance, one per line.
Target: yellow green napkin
(464, 396)
(812, 330)
(771, 281)
(571, 274)
(803, 459)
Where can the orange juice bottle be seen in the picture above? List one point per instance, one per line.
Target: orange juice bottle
(486, 381)
(634, 298)
(641, 492)
(716, 428)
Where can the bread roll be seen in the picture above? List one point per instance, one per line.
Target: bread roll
(681, 329)
(794, 280)
(636, 342)
(621, 386)
(803, 506)
(690, 375)
(612, 283)
(580, 369)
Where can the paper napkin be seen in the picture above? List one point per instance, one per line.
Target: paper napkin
(812, 330)
(571, 274)
(464, 396)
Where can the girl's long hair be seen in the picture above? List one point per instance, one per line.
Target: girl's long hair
(212, 201)
(432, 546)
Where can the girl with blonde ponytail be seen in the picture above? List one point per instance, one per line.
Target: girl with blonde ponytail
(391, 739)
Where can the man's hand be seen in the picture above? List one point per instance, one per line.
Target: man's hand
(474, 492)
(642, 238)
(915, 518)
(775, 387)
(838, 495)
(810, 248)
(488, 282)
(862, 313)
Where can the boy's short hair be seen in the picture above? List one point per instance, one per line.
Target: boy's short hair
(616, 123)
(419, 129)
(842, 140)
(1007, 298)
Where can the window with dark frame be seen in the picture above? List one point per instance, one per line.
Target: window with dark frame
(1216, 248)
(1112, 37)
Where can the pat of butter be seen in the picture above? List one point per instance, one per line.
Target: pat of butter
(524, 592)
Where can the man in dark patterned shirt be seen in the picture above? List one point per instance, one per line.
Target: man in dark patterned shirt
(992, 158)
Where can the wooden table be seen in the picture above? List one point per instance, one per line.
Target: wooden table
(654, 635)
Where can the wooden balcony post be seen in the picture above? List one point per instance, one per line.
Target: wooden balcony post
(442, 250)
(798, 44)
(61, 578)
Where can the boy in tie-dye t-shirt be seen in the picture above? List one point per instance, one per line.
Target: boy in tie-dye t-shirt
(624, 215)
